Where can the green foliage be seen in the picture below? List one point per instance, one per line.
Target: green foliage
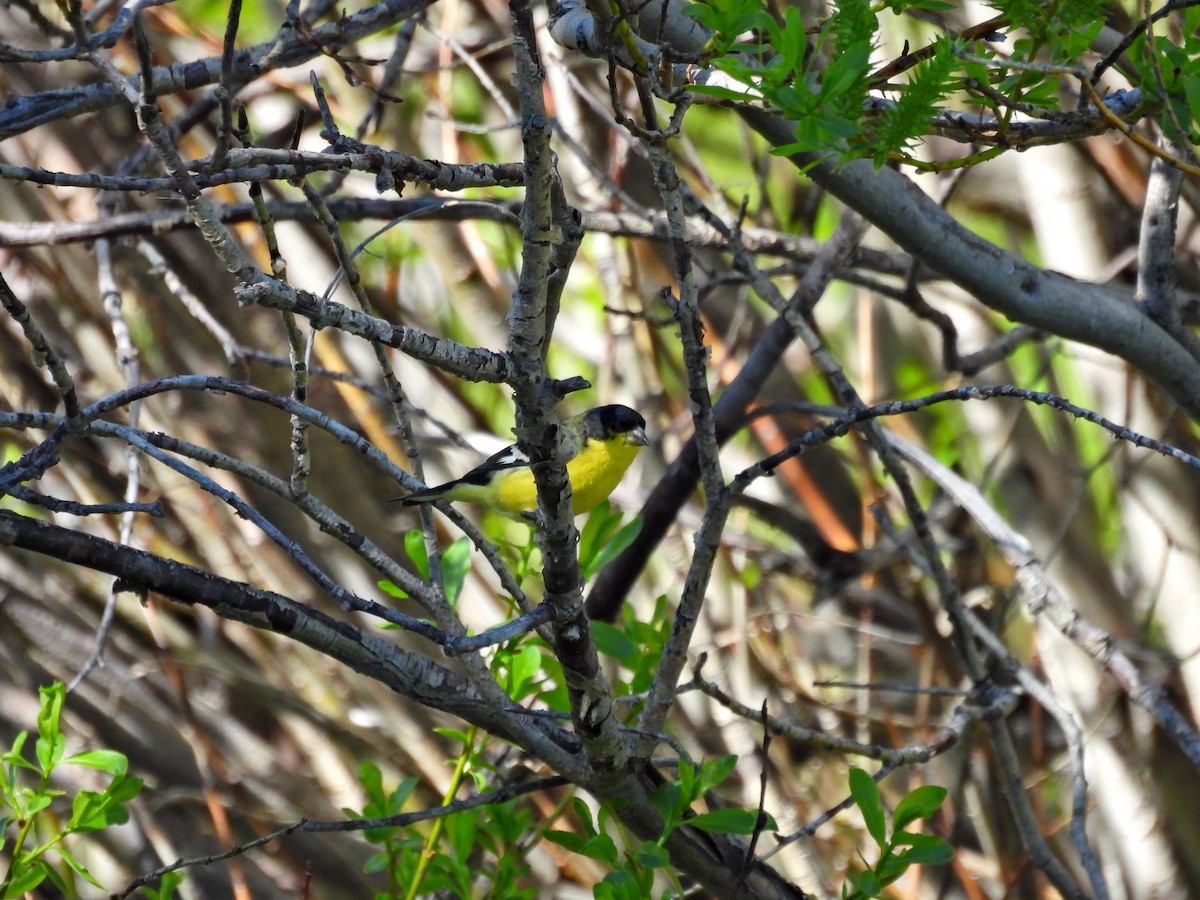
(902, 123)
(447, 854)
(1170, 77)
(629, 877)
(594, 843)
(637, 645)
(674, 798)
(729, 18)
(414, 546)
(922, 849)
(603, 538)
(31, 815)
(899, 6)
(255, 23)
(167, 885)
(1066, 27)
(551, 684)
(830, 106)
(632, 876)
(456, 564)
(518, 669)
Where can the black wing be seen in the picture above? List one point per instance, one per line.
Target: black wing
(509, 458)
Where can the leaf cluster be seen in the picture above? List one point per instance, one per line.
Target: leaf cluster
(821, 78)
(632, 875)
(32, 829)
(458, 852)
(901, 849)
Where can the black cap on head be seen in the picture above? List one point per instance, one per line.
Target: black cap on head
(605, 421)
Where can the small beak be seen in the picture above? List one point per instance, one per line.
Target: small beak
(637, 437)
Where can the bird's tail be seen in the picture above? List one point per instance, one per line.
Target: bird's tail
(429, 495)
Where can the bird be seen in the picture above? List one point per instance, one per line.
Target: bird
(597, 446)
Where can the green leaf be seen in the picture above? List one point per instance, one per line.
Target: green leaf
(928, 856)
(722, 93)
(931, 852)
(49, 751)
(1043, 94)
(379, 801)
(59, 880)
(688, 782)
(754, 20)
(26, 877)
(652, 856)
(14, 756)
(91, 811)
(599, 526)
(668, 800)
(845, 72)
(371, 780)
(854, 24)
(392, 589)
(791, 41)
(618, 885)
(583, 813)
(599, 847)
(464, 832)
(568, 839)
(523, 668)
(702, 13)
(37, 802)
(869, 884)
(792, 149)
(123, 789)
(906, 120)
(414, 546)
(603, 538)
(612, 641)
(52, 698)
(87, 812)
(899, 6)
(456, 563)
(76, 865)
(918, 804)
(731, 821)
(977, 70)
(622, 540)
(866, 796)
(110, 761)
(1191, 92)
(166, 886)
(552, 690)
(750, 574)
(835, 128)
(716, 772)
(796, 100)
(398, 797)
(914, 839)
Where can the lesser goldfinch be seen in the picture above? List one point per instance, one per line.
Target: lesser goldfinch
(597, 446)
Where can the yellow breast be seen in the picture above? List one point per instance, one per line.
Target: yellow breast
(597, 470)
(594, 473)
